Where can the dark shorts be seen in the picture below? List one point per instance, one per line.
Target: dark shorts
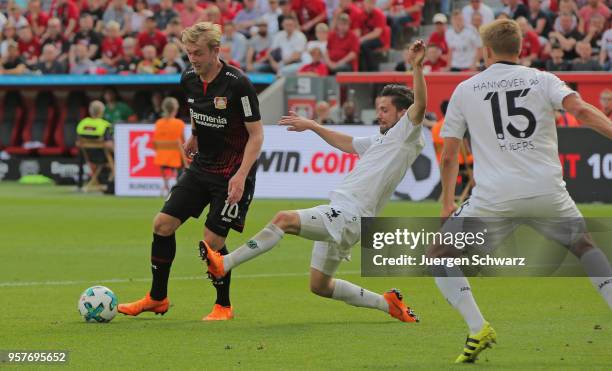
(194, 191)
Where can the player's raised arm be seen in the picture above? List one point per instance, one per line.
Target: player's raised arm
(588, 114)
(342, 141)
(416, 111)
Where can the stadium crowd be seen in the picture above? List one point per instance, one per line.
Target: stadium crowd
(314, 37)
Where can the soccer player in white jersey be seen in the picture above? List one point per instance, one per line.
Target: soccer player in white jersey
(335, 228)
(509, 112)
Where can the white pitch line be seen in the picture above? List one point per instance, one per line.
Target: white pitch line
(126, 280)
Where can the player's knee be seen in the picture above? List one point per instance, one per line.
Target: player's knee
(165, 225)
(285, 220)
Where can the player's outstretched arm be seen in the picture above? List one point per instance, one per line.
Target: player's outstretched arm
(342, 141)
(416, 111)
(449, 168)
(588, 114)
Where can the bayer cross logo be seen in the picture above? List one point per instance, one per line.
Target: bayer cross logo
(252, 244)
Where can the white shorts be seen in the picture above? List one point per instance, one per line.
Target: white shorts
(335, 229)
(555, 216)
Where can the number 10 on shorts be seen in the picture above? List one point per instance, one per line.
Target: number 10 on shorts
(230, 211)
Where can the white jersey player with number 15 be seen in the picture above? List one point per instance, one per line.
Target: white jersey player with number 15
(508, 110)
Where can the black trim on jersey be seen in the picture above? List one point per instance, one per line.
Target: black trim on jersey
(506, 62)
(220, 114)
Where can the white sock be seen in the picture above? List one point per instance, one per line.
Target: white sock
(354, 295)
(262, 242)
(458, 293)
(598, 268)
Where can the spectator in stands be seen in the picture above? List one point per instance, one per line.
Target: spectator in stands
(150, 35)
(68, 13)
(516, 9)
(3, 21)
(13, 63)
(116, 109)
(556, 61)
(55, 37)
(374, 35)
(565, 119)
(567, 37)
(316, 67)
(37, 18)
(247, 17)
(171, 60)
(49, 62)
(464, 44)
(566, 6)
(354, 12)
(29, 45)
(605, 99)
(605, 54)
(595, 34)
(258, 47)
(15, 16)
(165, 14)
(285, 11)
(402, 13)
(238, 42)
(540, 21)
(477, 6)
(531, 43)
(9, 33)
(342, 47)
(213, 15)
(323, 113)
(589, 10)
(173, 31)
(349, 111)
(139, 17)
(585, 61)
(309, 14)
(225, 53)
(153, 111)
(95, 126)
(476, 21)
(271, 16)
(287, 45)
(228, 9)
(96, 9)
(118, 11)
(128, 62)
(149, 64)
(191, 13)
(433, 60)
(438, 36)
(88, 36)
(170, 129)
(79, 62)
(404, 64)
(112, 47)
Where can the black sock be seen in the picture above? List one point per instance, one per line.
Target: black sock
(222, 285)
(163, 249)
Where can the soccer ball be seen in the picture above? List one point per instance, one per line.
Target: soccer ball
(98, 304)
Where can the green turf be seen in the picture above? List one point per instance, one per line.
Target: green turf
(55, 243)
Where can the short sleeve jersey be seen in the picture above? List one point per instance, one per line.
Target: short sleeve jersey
(513, 133)
(384, 160)
(220, 111)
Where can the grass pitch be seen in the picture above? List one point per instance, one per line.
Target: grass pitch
(55, 243)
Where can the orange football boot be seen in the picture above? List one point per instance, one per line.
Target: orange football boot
(145, 304)
(214, 260)
(219, 313)
(397, 308)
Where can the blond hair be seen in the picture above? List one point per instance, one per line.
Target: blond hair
(207, 31)
(503, 36)
(169, 106)
(96, 109)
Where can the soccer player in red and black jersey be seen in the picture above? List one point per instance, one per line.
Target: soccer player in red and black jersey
(226, 141)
